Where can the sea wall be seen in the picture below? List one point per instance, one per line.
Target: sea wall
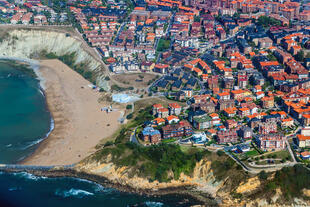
(29, 43)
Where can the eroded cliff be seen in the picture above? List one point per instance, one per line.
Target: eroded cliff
(30, 43)
(227, 184)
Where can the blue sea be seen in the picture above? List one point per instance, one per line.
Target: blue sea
(24, 122)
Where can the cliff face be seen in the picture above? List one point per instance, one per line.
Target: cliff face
(24, 43)
(202, 180)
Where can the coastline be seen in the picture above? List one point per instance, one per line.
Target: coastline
(79, 124)
(187, 193)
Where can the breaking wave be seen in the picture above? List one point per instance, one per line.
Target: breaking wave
(73, 193)
(153, 204)
(29, 176)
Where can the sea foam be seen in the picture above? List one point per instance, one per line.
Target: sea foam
(73, 193)
(153, 204)
(29, 176)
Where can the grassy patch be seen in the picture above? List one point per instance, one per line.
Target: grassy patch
(161, 162)
(163, 44)
(291, 180)
(168, 140)
(69, 59)
(251, 153)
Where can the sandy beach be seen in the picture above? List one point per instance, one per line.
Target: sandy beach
(79, 122)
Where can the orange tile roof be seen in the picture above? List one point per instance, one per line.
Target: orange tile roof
(171, 117)
(244, 109)
(223, 94)
(157, 106)
(197, 70)
(239, 91)
(282, 113)
(230, 110)
(307, 116)
(287, 120)
(214, 115)
(194, 62)
(174, 105)
(268, 63)
(260, 93)
(302, 137)
(188, 66)
(163, 110)
(212, 131)
(159, 120)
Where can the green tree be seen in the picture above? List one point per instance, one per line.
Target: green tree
(263, 175)
(129, 116)
(300, 56)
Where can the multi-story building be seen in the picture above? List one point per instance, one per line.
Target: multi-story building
(183, 128)
(163, 113)
(174, 108)
(303, 139)
(273, 141)
(268, 102)
(202, 122)
(156, 107)
(227, 136)
(151, 135)
(267, 128)
(224, 104)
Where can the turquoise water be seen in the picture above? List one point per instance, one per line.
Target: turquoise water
(24, 121)
(24, 118)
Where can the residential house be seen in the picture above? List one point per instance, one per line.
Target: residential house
(230, 112)
(231, 123)
(223, 96)
(265, 42)
(288, 122)
(174, 108)
(305, 155)
(172, 119)
(163, 113)
(303, 139)
(161, 68)
(243, 112)
(156, 107)
(306, 119)
(224, 104)
(159, 121)
(267, 102)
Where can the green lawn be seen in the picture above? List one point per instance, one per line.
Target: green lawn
(252, 153)
(168, 140)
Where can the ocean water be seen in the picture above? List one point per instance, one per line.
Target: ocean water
(26, 190)
(24, 117)
(24, 122)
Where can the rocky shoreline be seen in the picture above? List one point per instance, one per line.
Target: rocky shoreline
(188, 194)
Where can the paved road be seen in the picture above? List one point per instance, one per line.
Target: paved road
(290, 150)
(133, 137)
(276, 166)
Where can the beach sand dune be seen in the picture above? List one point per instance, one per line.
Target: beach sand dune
(79, 122)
